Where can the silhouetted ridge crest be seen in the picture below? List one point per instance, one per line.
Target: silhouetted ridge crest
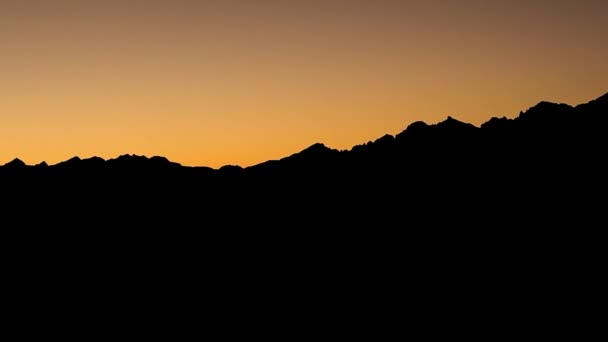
(383, 145)
(413, 132)
(140, 162)
(497, 123)
(546, 111)
(231, 169)
(438, 197)
(76, 164)
(72, 161)
(453, 125)
(15, 164)
(598, 105)
(315, 151)
(603, 100)
(546, 126)
(420, 131)
(415, 128)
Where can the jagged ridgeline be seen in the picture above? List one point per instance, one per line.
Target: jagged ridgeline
(511, 200)
(550, 154)
(556, 128)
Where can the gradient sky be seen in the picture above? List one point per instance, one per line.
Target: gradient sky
(212, 83)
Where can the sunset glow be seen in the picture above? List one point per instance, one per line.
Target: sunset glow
(211, 83)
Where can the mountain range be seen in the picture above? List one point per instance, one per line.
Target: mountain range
(546, 162)
(546, 121)
(447, 214)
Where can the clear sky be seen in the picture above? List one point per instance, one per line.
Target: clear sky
(211, 83)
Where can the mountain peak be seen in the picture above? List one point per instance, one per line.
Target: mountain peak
(316, 148)
(131, 157)
(69, 163)
(15, 163)
(548, 106)
(450, 122)
(417, 125)
(313, 151)
(545, 111)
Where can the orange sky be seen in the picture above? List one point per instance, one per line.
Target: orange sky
(239, 82)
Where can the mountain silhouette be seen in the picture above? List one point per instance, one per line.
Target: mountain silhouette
(15, 165)
(438, 211)
(545, 138)
(544, 166)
